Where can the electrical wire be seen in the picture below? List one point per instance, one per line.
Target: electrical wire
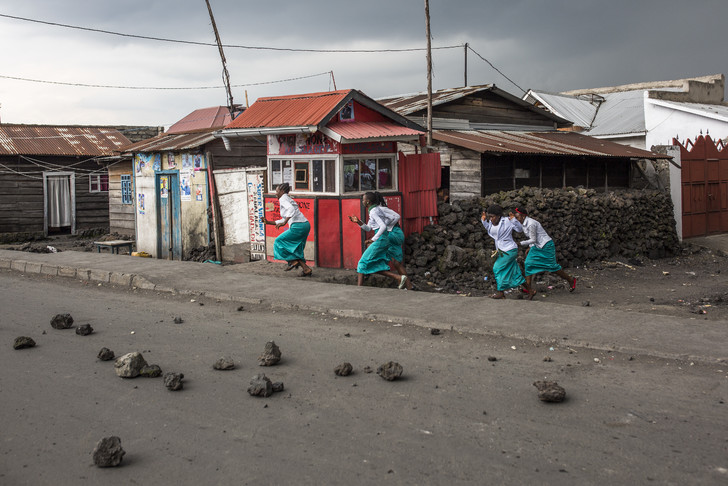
(233, 46)
(82, 85)
(496, 69)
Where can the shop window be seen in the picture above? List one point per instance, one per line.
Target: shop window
(126, 195)
(301, 174)
(304, 175)
(98, 183)
(368, 174)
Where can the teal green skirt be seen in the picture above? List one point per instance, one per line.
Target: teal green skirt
(396, 240)
(506, 270)
(541, 259)
(376, 257)
(290, 244)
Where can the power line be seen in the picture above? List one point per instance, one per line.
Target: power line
(232, 46)
(497, 70)
(327, 73)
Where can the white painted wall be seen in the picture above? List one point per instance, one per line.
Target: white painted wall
(146, 224)
(232, 193)
(663, 123)
(676, 187)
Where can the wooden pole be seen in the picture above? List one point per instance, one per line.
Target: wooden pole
(429, 73)
(214, 202)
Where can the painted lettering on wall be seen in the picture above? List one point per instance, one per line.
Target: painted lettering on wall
(256, 216)
(302, 143)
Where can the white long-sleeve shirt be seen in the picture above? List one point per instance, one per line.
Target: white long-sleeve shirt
(381, 219)
(537, 236)
(503, 233)
(289, 208)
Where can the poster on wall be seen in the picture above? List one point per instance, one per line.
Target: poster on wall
(163, 187)
(140, 203)
(184, 186)
(186, 161)
(347, 112)
(256, 215)
(198, 192)
(138, 164)
(288, 172)
(198, 161)
(171, 164)
(157, 162)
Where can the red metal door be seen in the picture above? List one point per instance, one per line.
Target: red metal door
(419, 178)
(704, 187)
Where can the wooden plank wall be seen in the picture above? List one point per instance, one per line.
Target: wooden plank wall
(121, 216)
(489, 108)
(246, 152)
(21, 197)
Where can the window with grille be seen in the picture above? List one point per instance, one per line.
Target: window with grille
(126, 193)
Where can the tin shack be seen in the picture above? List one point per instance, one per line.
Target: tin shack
(331, 147)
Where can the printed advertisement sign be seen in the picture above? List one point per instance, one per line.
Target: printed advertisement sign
(256, 215)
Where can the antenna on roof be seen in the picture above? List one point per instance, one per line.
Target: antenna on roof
(225, 74)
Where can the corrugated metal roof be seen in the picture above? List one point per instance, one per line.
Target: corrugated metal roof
(59, 140)
(544, 143)
(214, 117)
(620, 114)
(290, 111)
(170, 143)
(410, 103)
(372, 130)
(580, 112)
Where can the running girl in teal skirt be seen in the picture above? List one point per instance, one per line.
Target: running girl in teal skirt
(289, 245)
(506, 270)
(382, 246)
(541, 256)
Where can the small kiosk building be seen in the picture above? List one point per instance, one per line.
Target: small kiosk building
(331, 147)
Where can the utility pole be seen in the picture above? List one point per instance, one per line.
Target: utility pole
(429, 73)
(466, 64)
(225, 74)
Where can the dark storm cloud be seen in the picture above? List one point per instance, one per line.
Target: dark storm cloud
(550, 45)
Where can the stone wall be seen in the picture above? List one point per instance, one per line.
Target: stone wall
(585, 225)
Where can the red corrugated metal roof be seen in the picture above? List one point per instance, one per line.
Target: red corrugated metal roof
(59, 140)
(552, 143)
(371, 130)
(215, 117)
(289, 111)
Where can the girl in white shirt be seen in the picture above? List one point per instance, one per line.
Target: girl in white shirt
(290, 245)
(541, 254)
(375, 259)
(506, 270)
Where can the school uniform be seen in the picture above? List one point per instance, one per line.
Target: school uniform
(506, 270)
(376, 257)
(290, 244)
(542, 253)
(396, 235)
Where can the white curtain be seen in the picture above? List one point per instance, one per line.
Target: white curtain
(59, 201)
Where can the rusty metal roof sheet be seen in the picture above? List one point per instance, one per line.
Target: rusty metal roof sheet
(370, 131)
(214, 117)
(59, 140)
(543, 143)
(170, 142)
(290, 111)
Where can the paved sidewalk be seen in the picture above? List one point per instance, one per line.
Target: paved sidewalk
(603, 329)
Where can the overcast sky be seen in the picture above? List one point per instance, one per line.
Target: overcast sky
(553, 45)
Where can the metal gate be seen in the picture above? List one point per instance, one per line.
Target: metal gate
(704, 186)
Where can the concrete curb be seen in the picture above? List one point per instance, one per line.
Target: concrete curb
(338, 307)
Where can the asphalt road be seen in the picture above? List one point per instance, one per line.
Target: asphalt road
(454, 418)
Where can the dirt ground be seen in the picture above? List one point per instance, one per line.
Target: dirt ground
(693, 285)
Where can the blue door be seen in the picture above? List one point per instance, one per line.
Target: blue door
(169, 240)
